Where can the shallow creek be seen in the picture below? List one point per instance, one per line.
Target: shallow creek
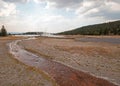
(63, 75)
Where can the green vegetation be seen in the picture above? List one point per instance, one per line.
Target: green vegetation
(3, 31)
(110, 28)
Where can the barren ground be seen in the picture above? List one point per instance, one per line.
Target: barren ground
(15, 73)
(97, 58)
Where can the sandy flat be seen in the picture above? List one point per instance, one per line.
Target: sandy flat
(97, 58)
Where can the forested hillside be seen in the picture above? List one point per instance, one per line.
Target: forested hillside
(110, 28)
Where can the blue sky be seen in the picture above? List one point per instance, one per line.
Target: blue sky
(56, 15)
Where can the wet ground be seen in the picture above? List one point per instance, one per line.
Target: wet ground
(108, 40)
(63, 75)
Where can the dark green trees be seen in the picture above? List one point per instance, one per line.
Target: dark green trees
(110, 28)
(3, 31)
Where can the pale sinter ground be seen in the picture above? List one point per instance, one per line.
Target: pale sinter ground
(100, 59)
(15, 73)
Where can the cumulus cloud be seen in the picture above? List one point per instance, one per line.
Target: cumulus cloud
(61, 3)
(17, 1)
(7, 9)
(104, 8)
(113, 6)
(118, 1)
(91, 8)
(80, 12)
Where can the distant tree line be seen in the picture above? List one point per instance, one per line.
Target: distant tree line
(110, 28)
(3, 31)
(33, 33)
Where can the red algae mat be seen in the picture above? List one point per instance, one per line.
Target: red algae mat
(66, 76)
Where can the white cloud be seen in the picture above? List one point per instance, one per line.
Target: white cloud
(61, 3)
(49, 18)
(58, 23)
(89, 5)
(83, 12)
(103, 8)
(17, 1)
(7, 9)
(113, 6)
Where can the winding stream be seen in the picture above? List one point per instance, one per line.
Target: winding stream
(63, 75)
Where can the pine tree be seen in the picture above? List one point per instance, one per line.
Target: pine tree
(3, 31)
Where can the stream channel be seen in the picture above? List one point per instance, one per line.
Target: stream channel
(62, 74)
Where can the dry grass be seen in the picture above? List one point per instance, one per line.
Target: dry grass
(11, 38)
